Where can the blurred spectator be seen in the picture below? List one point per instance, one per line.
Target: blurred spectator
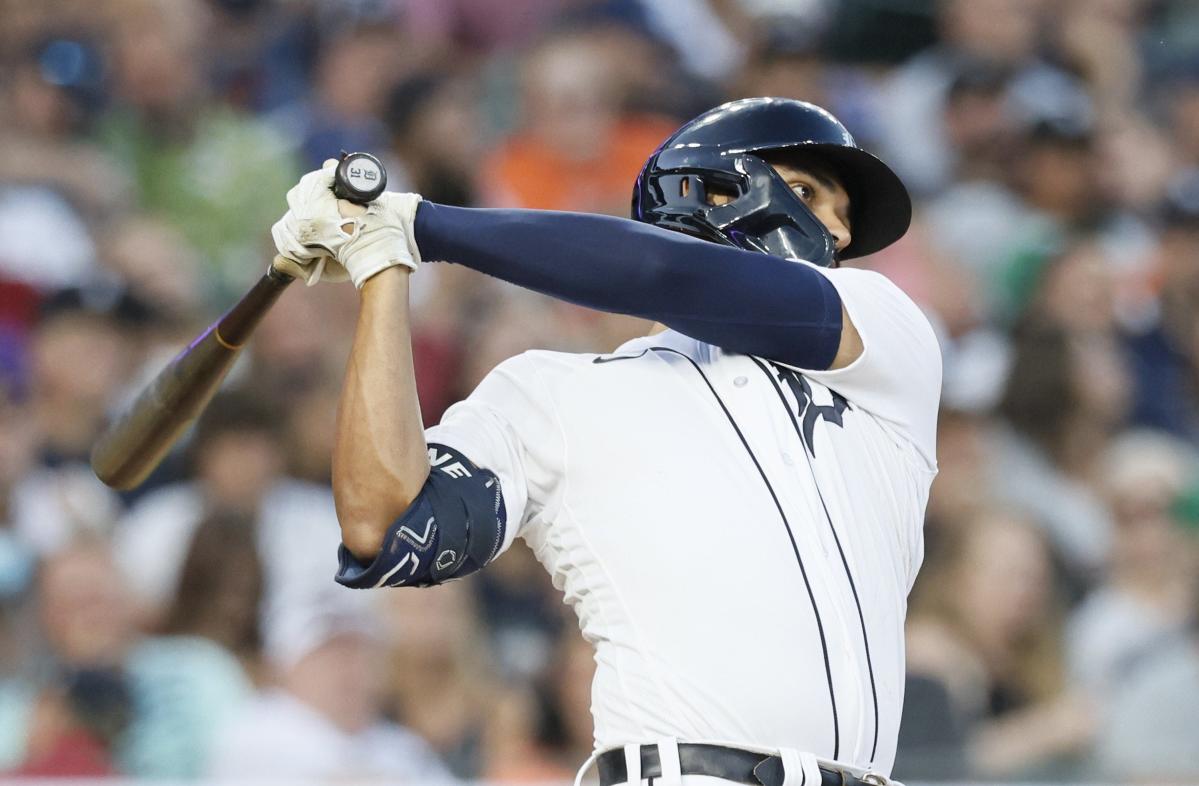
(570, 678)
(1076, 291)
(1064, 399)
(436, 131)
(238, 461)
(1181, 105)
(704, 35)
(653, 79)
(1149, 730)
(287, 360)
(159, 267)
(213, 172)
(311, 420)
(73, 728)
(1099, 39)
(78, 354)
(445, 312)
(160, 700)
(524, 615)
(48, 246)
(17, 452)
(439, 683)
(577, 151)
(85, 610)
(984, 627)
(787, 66)
(260, 52)
(52, 93)
(541, 734)
(220, 588)
(88, 626)
(56, 87)
(1154, 567)
(979, 217)
(353, 75)
(785, 58)
(479, 25)
(513, 747)
(1056, 170)
(1165, 350)
(965, 484)
(1002, 32)
(324, 719)
(516, 321)
(1136, 162)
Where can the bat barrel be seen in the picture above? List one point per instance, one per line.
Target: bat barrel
(134, 444)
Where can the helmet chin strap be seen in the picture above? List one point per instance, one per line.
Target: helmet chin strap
(768, 217)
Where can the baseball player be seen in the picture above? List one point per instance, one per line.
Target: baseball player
(732, 504)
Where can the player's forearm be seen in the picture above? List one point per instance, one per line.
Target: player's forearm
(743, 301)
(379, 458)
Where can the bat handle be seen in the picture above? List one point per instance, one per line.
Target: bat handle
(234, 328)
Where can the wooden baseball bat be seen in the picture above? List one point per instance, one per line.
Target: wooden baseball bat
(134, 444)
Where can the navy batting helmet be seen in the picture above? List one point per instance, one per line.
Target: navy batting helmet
(722, 148)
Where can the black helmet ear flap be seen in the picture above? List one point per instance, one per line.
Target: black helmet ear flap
(768, 216)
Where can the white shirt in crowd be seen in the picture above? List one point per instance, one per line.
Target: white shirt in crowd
(278, 737)
(296, 532)
(738, 538)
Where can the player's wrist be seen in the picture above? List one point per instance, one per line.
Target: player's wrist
(389, 278)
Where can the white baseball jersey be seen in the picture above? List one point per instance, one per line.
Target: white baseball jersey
(737, 537)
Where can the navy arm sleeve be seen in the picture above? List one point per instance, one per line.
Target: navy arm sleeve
(742, 301)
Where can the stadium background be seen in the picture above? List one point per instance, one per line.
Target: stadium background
(191, 629)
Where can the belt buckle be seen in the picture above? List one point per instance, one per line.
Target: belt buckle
(874, 779)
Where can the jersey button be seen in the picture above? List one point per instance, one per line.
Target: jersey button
(740, 382)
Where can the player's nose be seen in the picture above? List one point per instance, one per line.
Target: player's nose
(840, 233)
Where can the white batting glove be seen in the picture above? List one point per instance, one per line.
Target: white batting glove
(399, 209)
(383, 237)
(309, 234)
(324, 238)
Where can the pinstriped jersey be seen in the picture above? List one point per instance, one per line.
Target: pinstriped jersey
(737, 537)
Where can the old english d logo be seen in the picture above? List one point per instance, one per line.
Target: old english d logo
(809, 411)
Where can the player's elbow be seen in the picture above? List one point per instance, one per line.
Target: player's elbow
(365, 513)
(363, 539)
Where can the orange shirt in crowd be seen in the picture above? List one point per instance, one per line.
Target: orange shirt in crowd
(523, 172)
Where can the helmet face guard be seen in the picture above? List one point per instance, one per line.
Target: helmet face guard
(724, 148)
(764, 214)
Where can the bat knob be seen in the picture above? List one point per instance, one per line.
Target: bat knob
(360, 178)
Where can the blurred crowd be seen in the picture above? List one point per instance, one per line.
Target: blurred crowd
(191, 628)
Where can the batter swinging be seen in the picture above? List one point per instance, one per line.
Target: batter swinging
(732, 505)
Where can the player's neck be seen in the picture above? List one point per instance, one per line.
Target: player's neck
(657, 328)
